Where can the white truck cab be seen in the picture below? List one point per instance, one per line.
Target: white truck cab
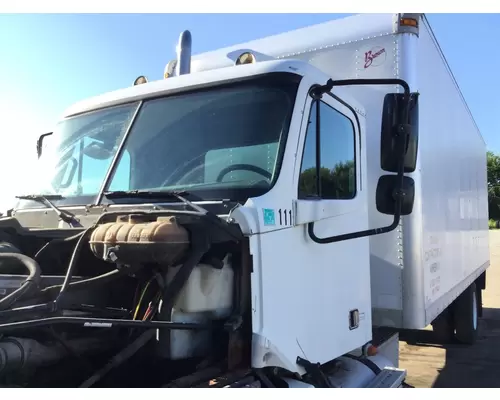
(285, 176)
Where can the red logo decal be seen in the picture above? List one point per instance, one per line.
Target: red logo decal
(372, 55)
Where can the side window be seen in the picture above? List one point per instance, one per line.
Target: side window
(337, 164)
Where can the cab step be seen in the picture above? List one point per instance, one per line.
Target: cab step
(388, 378)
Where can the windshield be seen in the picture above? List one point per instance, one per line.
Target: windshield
(224, 142)
(78, 155)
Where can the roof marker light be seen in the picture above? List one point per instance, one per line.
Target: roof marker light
(246, 58)
(170, 69)
(140, 80)
(409, 22)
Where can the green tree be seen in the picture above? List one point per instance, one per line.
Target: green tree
(337, 182)
(493, 168)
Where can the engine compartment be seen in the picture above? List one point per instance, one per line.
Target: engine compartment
(138, 299)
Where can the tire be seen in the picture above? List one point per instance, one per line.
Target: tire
(443, 328)
(466, 316)
(479, 302)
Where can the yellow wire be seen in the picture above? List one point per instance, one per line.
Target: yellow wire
(141, 298)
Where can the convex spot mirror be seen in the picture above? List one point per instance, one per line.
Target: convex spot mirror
(386, 195)
(98, 151)
(392, 117)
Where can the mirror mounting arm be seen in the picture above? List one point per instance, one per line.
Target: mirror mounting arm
(330, 84)
(39, 143)
(401, 134)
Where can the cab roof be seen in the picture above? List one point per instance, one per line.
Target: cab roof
(188, 82)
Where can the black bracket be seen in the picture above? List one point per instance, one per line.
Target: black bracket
(315, 373)
(318, 91)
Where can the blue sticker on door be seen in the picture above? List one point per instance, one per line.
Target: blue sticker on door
(269, 218)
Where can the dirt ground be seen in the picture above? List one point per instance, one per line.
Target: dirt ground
(455, 366)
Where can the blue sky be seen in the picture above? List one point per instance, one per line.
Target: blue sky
(49, 62)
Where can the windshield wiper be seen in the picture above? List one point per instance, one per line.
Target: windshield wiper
(146, 194)
(66, 216)
(155, 194)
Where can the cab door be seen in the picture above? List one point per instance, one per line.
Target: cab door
(331, 194)
(313, 300)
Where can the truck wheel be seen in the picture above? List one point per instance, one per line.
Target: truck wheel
(443, 327)
(465, 312)
(479, 302)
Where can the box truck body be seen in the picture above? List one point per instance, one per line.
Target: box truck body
(442, 247)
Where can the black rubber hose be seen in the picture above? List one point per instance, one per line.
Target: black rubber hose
(94, 281)
(72, 264)
(57, 241)
(99, 279)
(30, 285)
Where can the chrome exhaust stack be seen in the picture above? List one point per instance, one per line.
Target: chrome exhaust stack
(184, 54)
